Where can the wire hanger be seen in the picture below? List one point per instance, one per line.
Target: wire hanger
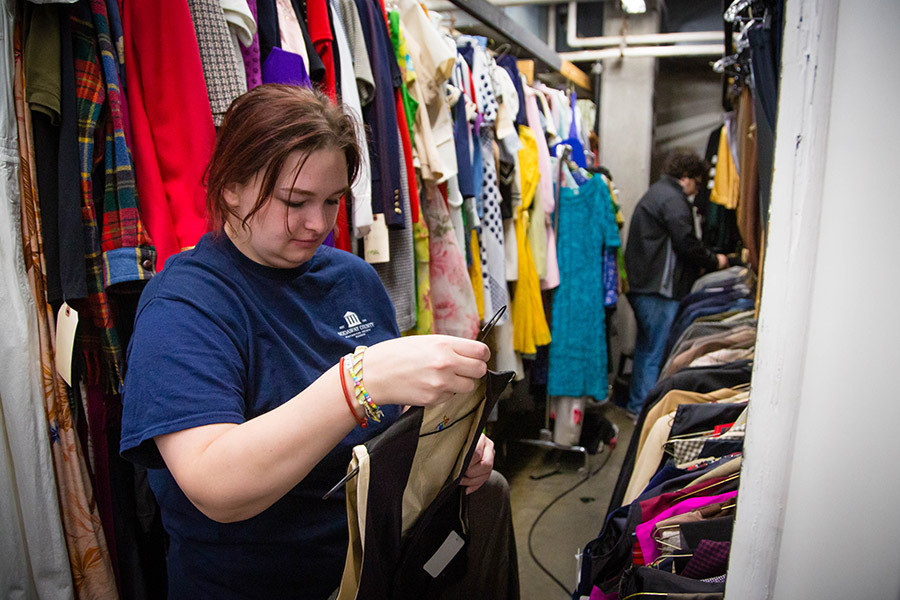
(736, 7)
(712, 485)
(502, 50)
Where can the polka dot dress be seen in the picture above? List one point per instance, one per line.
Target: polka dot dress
(490, 239)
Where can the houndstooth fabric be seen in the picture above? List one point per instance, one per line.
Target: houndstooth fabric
(224, 81)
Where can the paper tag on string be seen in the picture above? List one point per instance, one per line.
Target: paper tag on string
(66, 324)
(451, 546)
(377, 245)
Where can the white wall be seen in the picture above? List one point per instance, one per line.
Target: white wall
(818, 510)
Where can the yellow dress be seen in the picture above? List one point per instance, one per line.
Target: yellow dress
(530, 327)
(476, 276)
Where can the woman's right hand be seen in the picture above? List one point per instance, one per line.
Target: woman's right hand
(424, 369)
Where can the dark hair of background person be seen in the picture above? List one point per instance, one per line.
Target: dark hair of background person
(261, 129)
(685, 163)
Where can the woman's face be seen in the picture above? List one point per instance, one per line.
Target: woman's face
(298, 216)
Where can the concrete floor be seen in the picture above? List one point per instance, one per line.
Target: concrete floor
(572, 521)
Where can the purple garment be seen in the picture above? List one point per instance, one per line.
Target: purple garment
(644, 531)
(596, 594)
(282, 66)
(710, 560)
(251, 55)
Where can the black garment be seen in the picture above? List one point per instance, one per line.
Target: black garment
(606, 556)
(506, 172)
(692, 379)
(719, 224)
(392, 566)
(46, 163)
(722, 447)
(719, 529)
(315, 68)
(697, 418)
(765, 100)
(336, 58)
(646, 579)
(701, 200)
(267, 27)
(72, 274)
(663, 255)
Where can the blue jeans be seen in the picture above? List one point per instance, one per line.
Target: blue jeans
(654, 315)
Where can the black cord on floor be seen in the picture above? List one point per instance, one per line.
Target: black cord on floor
(544, 511)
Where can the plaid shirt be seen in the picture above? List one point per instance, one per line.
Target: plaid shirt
(121, 251)
(126, 244)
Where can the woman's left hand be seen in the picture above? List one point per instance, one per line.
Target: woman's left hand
(481, 466)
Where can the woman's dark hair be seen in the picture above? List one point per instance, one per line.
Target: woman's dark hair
(261, 129)
(685, 163)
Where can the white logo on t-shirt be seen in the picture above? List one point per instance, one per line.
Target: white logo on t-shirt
(352, 318)
(356, 327)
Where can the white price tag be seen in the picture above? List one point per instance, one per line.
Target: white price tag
(450, 548)
(376, 243)
(66, 324)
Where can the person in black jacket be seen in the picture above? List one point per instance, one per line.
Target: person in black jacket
(663, 258)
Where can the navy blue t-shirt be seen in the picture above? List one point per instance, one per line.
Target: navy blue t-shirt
(219, 338)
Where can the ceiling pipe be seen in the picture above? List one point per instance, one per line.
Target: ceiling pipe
(645, 51)
(440, 5)
(574, 41)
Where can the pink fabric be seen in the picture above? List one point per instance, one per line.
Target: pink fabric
(452, 296)
(644, 531)
(596, 594)
(551, 280)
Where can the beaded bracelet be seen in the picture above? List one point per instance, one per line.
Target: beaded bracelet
(362, 396)
(363, 422)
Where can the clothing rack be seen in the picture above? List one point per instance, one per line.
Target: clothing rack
(545, 439)
(494, 17)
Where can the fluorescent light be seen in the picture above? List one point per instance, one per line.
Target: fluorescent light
(634, 6)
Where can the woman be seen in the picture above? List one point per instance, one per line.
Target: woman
(234, 395)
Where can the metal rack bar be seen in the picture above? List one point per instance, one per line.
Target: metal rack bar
(494, 17)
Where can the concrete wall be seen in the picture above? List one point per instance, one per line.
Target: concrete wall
(687, 106)
(817, 514)
(626, 138)
(626, 111)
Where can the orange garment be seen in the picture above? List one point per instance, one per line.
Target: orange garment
(748, 215)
